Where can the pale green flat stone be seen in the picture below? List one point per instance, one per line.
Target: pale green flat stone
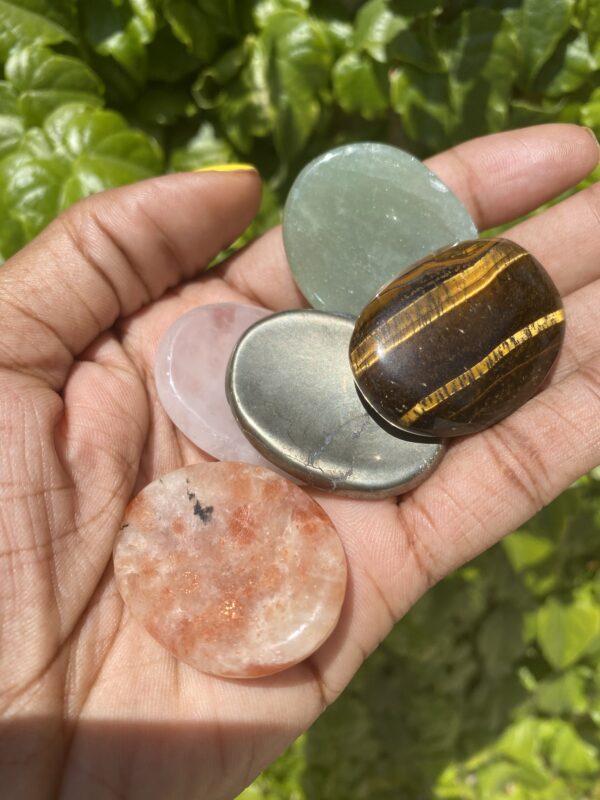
(360, 215)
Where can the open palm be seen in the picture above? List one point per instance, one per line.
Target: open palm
(91, 706)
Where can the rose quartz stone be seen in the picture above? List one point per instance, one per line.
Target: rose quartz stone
(232, 568)
(191, 362)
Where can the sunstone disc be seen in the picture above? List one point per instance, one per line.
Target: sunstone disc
(233, 569)
(360, 215)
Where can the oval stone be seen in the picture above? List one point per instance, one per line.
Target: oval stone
(291, 388)
(459, 342)
(361, 214)
(233, 569)
(189, 370)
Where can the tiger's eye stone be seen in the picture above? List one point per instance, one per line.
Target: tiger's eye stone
(459, 342)
(359, 215)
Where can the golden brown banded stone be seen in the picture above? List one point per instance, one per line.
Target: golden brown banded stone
(459, 342)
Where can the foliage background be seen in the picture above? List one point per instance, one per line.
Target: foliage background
(490, 687)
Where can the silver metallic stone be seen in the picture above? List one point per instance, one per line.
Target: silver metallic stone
(290, 386)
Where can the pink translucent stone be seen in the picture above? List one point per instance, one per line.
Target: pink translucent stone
(232, 568)
(191, 362)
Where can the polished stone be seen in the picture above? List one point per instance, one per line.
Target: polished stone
(361, 214)
(233, 569)
(190, 366)
(459, 342)
(291, 388)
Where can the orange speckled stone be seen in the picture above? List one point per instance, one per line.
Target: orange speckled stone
(233, 569)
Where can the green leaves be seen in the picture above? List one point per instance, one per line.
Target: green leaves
(78, 151)
(31, 22)
(299, 59)
(571, 755)
(541, 24)
(191, 27)
(527, 549)
(276, 85)
(564, 632)
(483, 66)
(278, 81)
(42, 81)
(375, 27)
(204, 149)
(458, 82)
(360, 80)
(360, 85)
(590, 112)
(589, 11)
(534, 760)
(12, 124)
(56, 145)
(120, 30)
(565, 694)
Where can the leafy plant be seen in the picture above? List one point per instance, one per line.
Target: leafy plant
(490, 687)
(274, 82)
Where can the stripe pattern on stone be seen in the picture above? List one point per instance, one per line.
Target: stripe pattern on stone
(460, 341)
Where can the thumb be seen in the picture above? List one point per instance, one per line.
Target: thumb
(110, 254)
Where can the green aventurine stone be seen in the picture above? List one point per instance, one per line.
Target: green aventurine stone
(362, 214)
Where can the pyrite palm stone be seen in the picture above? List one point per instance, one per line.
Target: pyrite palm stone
(460, 341)
(291, 388)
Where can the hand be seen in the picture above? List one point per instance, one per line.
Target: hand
(92, 707)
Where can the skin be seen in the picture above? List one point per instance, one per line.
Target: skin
(90, 705)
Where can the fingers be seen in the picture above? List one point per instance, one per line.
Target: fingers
(262, 273)
(485, 487)
(109, 255)
(582, 343)
(490, 484)
(498, 177)
(566, 239)
(502, 176)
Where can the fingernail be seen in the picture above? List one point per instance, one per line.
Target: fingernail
(227, 168)
(592, 133)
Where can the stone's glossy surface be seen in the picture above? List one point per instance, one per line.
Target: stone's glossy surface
(233, 569)
(361, 214)
(191, 362)
(459, 342)
(291, 388)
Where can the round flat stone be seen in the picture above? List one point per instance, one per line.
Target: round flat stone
(459, 342)
(190, 366)
(361, 214)
(233, 569)
(291, 388)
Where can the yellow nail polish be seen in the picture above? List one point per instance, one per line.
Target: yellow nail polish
(227, 168)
